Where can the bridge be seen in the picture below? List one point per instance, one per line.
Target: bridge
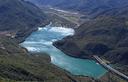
(110, 68)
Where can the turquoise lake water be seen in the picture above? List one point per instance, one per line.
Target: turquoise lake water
(41, 41)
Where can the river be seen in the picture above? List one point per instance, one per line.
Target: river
(41, 41)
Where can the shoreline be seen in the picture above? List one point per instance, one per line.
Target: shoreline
(70, 54)
(35, 28)
(78, 74)
(69, 74)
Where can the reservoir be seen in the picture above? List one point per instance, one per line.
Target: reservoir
(41, 41)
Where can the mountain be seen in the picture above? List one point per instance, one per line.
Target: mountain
(20, 17)
(90, 8)
(104, 35)
(82, 5)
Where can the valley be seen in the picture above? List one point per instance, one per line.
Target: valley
(71, 16)
(43, 43)
(48, 41)
(68, 19)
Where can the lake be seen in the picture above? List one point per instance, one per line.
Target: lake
(41, 41)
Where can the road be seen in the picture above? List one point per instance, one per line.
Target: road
(110, 68)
